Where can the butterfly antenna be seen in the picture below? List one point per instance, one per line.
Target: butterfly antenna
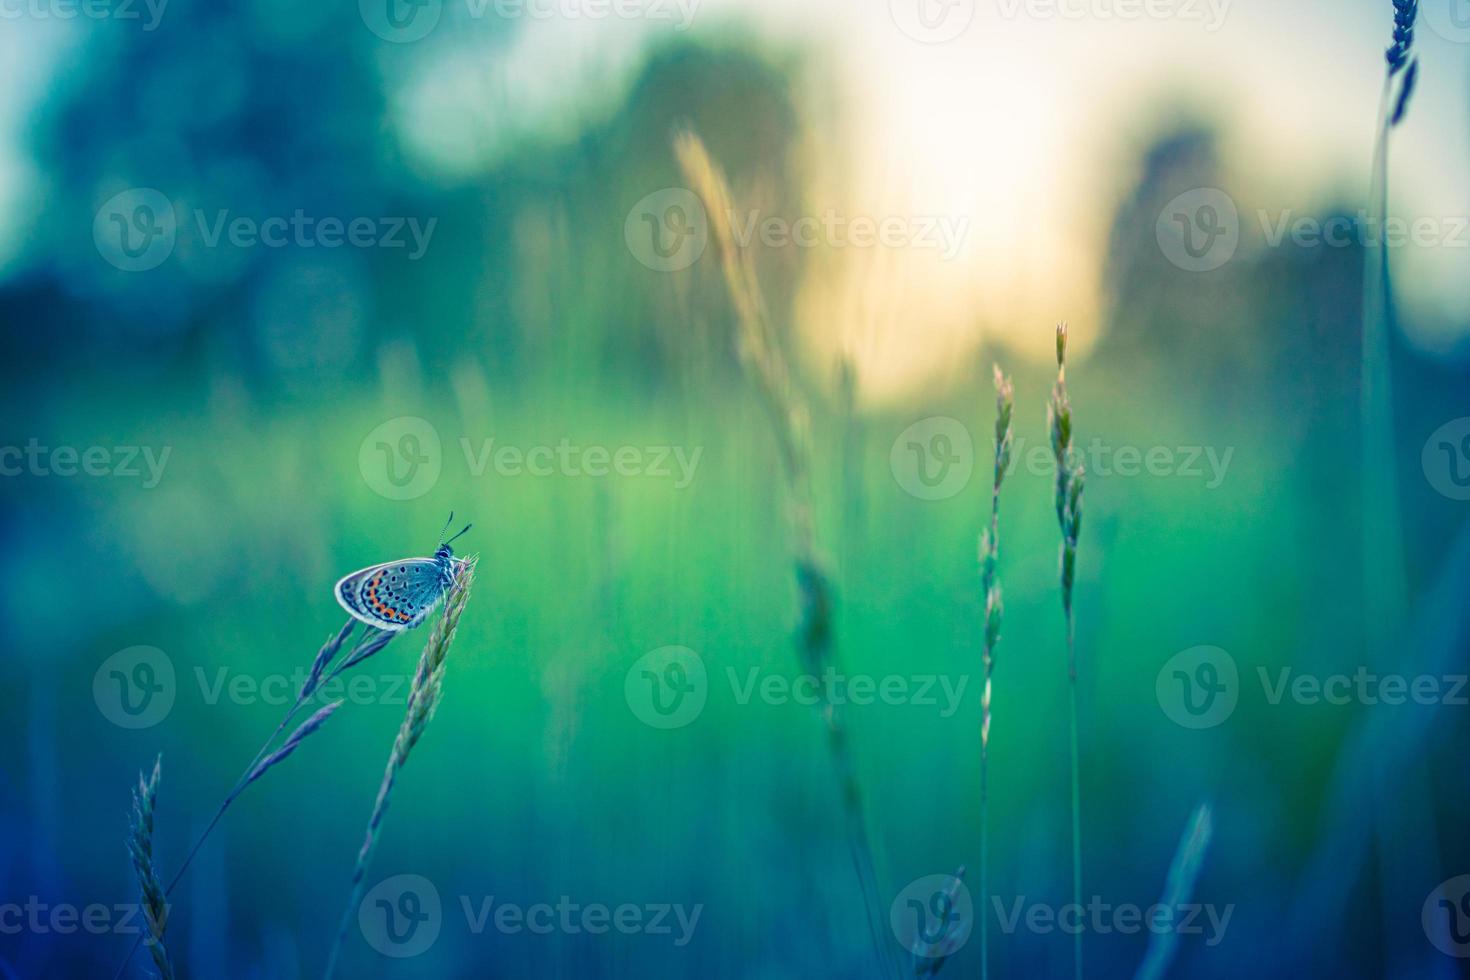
(460, 534)
(445, 529)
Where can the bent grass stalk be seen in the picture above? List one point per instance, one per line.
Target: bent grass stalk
(1383, 580)
(423, 701)
(760, 353)
(1005, 397)
(1070, 475)
(322, 671)
(370, 643)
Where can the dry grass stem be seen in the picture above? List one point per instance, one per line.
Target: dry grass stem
(761, 355)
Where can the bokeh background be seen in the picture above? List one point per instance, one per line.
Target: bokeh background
(272, 386)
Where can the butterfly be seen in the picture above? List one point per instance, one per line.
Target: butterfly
(399, 595)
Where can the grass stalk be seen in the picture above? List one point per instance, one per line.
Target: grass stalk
(929, 958)
(423, 700)
(327, 666)
(150, 886)
(990, 583)
(1068, 500)
(766, 367)
(1383, 576)
(322, 671)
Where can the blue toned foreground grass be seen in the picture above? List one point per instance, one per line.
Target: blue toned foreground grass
(150, 887)
(423, 701)
(325, 667)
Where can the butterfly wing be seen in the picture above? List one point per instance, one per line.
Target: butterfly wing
(393, 596)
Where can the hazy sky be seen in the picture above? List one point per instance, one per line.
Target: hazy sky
(1016, 119)
(1009, 118)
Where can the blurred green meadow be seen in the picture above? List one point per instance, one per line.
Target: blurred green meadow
(1216, 410)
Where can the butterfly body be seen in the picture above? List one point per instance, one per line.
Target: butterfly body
(398, 595)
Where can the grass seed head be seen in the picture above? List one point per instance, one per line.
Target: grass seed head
(1405, 12)
(150, 886)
